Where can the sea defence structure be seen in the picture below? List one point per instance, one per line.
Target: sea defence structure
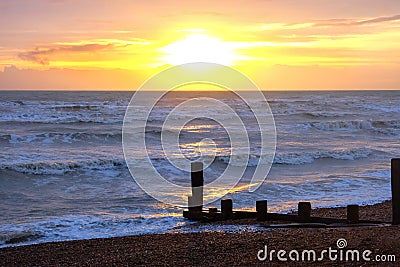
(303, 216)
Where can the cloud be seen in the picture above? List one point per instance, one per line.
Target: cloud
(281, 26)
(13, 78)
(323, 23)
(41, 55)
(380, 19)
(354, 22)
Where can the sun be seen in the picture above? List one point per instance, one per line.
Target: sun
(200, 47)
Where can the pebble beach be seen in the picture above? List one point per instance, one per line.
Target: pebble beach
(217, 248)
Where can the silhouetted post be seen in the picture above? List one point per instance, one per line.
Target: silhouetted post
(196, 200)
(262, 210)
(395, 191)
(304, 211)
(353, 214)
(226, 208)
(212, 210)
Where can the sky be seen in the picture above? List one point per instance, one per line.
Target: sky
(279, 44)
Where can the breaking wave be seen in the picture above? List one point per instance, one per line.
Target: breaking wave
(59, 137)
(60, 168)
(384, 127)
(302, 158)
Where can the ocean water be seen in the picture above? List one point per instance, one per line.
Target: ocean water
(63, 175)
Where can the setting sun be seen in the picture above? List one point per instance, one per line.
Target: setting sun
(279, 45)
(199, 47)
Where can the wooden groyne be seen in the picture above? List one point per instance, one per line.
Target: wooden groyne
(395, 174)
(196, 211)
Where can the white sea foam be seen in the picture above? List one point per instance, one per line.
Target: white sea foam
(389, 127)
(297, 158)
(59, 137)
(76, 227)
(62, 112)
(62, 167)
(59, 167)
(52, 118)
(337, 125)
(340, 154)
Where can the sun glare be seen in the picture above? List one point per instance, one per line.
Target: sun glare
(199, 47)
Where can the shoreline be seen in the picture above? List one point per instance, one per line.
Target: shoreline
(216, 248)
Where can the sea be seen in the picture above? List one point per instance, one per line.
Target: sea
(63, 175)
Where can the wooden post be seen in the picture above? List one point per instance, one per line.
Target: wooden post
(262, 210)
(195, 202)
(212, 210)
(353, 214)
(190, 202)
(226, 208)
(395, 191)
(304, 211)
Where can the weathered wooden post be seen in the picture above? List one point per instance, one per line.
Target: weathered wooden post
(353, 214)
(395, 191)
(195, 202)
(226, 208)
(304, 211)
(262, 210)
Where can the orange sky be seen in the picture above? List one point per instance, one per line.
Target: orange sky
(279, 44)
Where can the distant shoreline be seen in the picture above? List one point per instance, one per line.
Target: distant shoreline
(212, 248)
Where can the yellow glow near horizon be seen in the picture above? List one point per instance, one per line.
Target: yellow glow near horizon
(199, 47)
(291, 47)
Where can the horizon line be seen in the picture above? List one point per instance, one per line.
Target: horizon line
(221, 90)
